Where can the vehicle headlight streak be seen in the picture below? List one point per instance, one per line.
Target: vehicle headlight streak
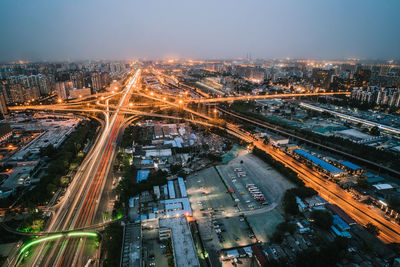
(56, 236)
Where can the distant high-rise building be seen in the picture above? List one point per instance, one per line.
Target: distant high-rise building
(394, 99)
(16, 93)
(257, 74)
(44, 84)
(3, 106)
(380, 95)
(77, 80)
(4, 92)
(96, 81)
(31, 93)
(321, 77)
(105, 79)
(5, 131)
(363, 76)
(63, 89)
(117, 67)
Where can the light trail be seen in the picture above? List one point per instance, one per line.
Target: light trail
(390, 232)
(84, 192)
(88, 184)
(56, 236)
(255, 97)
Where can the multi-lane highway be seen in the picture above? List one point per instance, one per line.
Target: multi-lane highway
(288, 133)
(258, 97)
(362, 213)
(81, 200)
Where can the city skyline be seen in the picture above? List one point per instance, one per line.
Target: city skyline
(200, 133)
(47, 31)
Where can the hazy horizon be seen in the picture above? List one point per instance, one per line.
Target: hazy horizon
(45, 30)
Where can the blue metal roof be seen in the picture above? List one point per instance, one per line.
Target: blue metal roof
(342, 225)
(178, 206)
(171, 189)
(336, 231)
(142, 176)
(351, 165)
(182, 187)
(317, 161)
(178, 141)
(131, 202)
(376, 179)
(165, 188)
(147, 161)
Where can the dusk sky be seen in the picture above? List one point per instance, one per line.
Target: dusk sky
(125, 29)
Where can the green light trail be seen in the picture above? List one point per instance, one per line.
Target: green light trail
(40, 241)
(82, 234)
(52, 237)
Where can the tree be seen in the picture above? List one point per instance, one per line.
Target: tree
(375, 131)
(48, 151)
(112, 242)
(362, 182)
(395, 247)
(175, 168)
(322, 219)
(289, 203)
(328, 255)
(372, 228)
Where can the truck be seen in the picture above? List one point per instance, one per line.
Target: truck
(254, 190)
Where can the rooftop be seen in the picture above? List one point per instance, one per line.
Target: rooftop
(350, 165)
(184, 249)
(317, 161)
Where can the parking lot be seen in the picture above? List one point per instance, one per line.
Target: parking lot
(214, 210)
(218, 215)
(239, 178)
(207, 194)
(233, 232)
(265, 177)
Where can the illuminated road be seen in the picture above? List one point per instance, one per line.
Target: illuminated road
(389, 231)
(82, 197)
(362, 213)
(256, 97)
(285, 132)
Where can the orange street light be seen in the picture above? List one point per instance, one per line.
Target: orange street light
(59, 100)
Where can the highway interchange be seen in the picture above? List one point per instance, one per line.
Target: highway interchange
(81, 201)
